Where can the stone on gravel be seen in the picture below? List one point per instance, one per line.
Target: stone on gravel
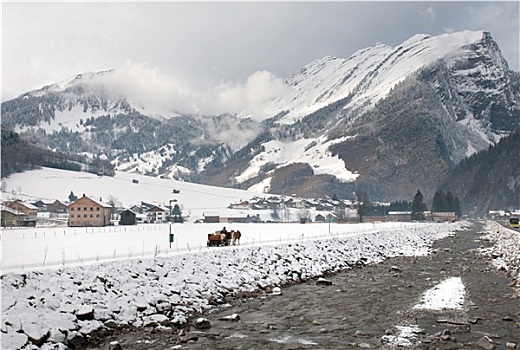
(323, 282)
(202, 323)
(56, 336)
(233, 317)
(36, 332)
(85, 313)
(14, 340)
(277, 291)
(114, 345)
(485, 343)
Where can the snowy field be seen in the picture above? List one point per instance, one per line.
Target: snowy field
(49, 184)
(35, 248)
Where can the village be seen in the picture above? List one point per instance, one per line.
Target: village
(91, 212)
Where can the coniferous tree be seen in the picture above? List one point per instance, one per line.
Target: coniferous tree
(72, 197)
(418, 206)
(450, 204)
(439, 202)
(363, 204)
(177, 214)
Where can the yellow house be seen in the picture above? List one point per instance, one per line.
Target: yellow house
(88, 212)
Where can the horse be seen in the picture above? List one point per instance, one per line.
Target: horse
(235, 237)
(216, 238)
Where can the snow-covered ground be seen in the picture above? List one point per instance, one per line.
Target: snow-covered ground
(62, 285)
(64, 302)
(195, 200)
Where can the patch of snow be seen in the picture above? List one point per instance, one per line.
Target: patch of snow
(314, 152)
(449, 294)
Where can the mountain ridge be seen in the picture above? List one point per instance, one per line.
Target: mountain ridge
(332, 119)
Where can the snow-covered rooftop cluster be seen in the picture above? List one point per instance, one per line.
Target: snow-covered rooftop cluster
(57, 306)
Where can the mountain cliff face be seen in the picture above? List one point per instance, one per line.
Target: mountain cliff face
(387, 120)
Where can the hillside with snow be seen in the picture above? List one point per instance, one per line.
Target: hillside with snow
(338, 126)
(367, 76)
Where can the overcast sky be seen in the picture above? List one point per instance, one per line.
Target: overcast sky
(200, 44)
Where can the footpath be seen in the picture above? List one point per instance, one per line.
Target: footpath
(375, 307)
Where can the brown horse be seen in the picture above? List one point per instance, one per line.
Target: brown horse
(235, 237)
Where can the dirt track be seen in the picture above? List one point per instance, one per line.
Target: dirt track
(364, 308)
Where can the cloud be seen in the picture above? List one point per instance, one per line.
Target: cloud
(155, 91)
(429, 14)
(502, 20)
(250, 97)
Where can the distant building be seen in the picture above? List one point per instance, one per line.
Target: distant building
(157, 214)
(12, 218)
(320, 218)
(211, 219)
(87, 212)
(30, 210)
(405, 216)
(51, 207)
(443, 216)
(57, 207)
(127, 217)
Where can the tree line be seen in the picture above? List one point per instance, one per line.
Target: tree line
(442, 202)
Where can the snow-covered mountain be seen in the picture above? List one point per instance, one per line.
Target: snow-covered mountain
(366, 122)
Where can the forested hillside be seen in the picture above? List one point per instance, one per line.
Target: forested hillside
(490, 179)
(19, 155)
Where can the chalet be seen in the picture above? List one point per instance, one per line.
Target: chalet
(87, 212)
(11, 217)
(57, 207)
(127, 217)
(157, 214)
(320, 218)
(41, 205)
(30, 211)
(51, 207)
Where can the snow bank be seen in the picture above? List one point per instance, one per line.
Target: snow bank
(55, 308)
(506, 248)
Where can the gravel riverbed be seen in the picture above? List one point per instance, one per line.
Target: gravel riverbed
(367, 307)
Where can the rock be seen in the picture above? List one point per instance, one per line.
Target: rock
(277, 291)
(485, 343)
(114, 345)
(233, 317)
(188, 337)
(111, 324)
(36, 332)
(56, 336)
(360, 334)
(141, 305)
(395, 269)
(202, 323)
(60, 320)
(323, 282)
(85, 313)
(76, 340)
(14, 340)
(156, 320)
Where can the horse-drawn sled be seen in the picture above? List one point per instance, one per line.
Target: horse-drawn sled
(223, 237)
